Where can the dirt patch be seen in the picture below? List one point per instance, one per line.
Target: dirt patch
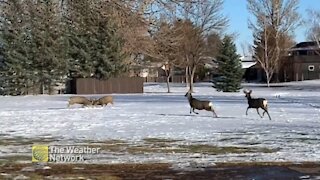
(162, 171)
(167, 146)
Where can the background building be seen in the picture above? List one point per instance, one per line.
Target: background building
(303, 63)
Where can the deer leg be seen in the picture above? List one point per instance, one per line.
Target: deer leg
(247, 111)
(214, 113)
(258, 112)
(190, 109)
(194, 111)
(266, 111)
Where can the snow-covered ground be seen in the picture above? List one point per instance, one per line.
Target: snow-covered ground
(293, 134)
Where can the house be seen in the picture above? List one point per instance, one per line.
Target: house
(302, 63)
(252, 69)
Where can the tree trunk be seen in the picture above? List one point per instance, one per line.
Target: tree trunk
(192, 78)
(187, 76)
(41, 88)
(168, 84)
(268, 79)
(168, 74)
(50, 89)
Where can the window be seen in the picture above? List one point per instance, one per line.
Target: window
(311, 67)
(310, 53)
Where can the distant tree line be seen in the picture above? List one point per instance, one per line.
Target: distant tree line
(44, 43)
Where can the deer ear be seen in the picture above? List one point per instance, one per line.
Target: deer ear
(245, 91)
(250, 91)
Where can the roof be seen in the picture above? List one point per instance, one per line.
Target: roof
(247, 62)
(308, 45)
(246, 65)
(247, 59)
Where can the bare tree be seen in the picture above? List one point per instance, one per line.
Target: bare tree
(199, 18)
(204, 15)
(245, 48)
(166, 47)
(264, 53)
(275, 19)
(313, 22)
(192, 49)
(138, 20)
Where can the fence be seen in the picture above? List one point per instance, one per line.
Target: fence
(162, 79)
(112, 85)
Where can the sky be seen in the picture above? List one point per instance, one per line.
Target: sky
(238, 14)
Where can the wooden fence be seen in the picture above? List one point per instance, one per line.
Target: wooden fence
(162, 79)
(112, 85)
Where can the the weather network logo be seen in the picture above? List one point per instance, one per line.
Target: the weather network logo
(40, 153)
(63, 153)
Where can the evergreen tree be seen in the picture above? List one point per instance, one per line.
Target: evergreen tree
(94, 45)
(229, 68)
(32, 48)
(78, 37)
(14, 69)
(108, 56)
(46, 49)
(43, 42)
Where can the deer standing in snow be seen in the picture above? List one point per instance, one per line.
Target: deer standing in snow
(80, 100)
(256, 103)
(103, 101)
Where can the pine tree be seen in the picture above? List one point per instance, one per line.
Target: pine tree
(31, 46)
(229, 68)
(108, 56)
(15, 65)
(46, 45)
(78, 37)
(95, 47)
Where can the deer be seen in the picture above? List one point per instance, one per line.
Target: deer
(105, 100)
(256, 103)
(199, 105)
(79, 100)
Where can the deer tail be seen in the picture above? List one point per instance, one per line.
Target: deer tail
(211, 105)
(265, 104)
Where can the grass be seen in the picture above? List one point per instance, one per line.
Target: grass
(147, 145)
(13, 159)
(215, 150)
(21, 141)
(160, 140)
(155, 145)
(153, 171)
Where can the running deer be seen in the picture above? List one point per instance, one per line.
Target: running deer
(256, 103)
(199, 105)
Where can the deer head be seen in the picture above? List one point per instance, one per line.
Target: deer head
(247, 93)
